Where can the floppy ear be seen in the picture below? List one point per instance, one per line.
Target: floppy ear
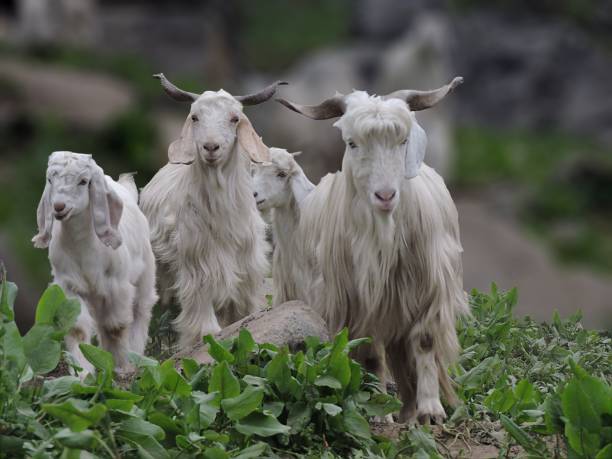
(44, 220)
(250, 142)
(106, 208)
(415, 149)
(183, 150)
(300, 186)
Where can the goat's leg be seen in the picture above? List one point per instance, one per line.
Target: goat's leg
(143, 305)
(372, 357)
(115, 316)
(197, 317)
(401, 364)
(81, 332)
(428, 405)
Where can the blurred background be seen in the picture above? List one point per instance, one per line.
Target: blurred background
(524, 144)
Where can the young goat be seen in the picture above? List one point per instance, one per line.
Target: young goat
(206, 232)
(99, 252)
(381, 245)
(279, 187)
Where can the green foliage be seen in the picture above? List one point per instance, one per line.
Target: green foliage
(545, 388)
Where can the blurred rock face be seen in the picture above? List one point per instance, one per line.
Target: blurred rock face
(57, 21)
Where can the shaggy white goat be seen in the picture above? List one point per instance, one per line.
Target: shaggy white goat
(279, 187)
(382, 254)
(206, 232)
(99, 252)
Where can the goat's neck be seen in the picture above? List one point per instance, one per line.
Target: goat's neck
(77, 229)
(286, 220)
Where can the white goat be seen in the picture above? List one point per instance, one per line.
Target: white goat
(206, 232)
(279, 187)
(382, 254)
(99, 252)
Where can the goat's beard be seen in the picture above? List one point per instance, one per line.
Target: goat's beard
(384, 228)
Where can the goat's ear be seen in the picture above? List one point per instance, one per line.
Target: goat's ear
(44, 219)
(250, 142)
(106, 209)
(183, 150)
(300, 187)
(415, 149)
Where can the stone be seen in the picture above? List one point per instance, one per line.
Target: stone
(286, 324)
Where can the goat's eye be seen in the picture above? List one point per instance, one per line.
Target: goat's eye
(281, 174)
(195, 118)
(404, 142)
(49, 181)
(352, 144)
(234, 119)
(83, 182)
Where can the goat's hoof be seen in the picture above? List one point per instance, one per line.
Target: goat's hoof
(430, 411)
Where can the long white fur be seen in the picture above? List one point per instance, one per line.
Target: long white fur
(112, 277)
(206, 232)
(280, 187)
(393, 275)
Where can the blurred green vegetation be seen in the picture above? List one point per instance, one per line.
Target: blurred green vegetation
(272, 44)
(563, 184)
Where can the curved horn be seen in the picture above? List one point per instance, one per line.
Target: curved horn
(174, 92)
(420, 100)
(329, 108)
(261, 96)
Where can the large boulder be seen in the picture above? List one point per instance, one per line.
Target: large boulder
(286, 324)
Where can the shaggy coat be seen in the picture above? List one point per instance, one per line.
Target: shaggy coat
(206, 232)
(382, 254)
(280, 186)
(100, 254)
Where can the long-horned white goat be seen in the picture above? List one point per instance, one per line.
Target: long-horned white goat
(99, 252)
(207, 234)
(382, 253)
(279, 187)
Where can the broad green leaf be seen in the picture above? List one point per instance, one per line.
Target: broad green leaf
(525, 394)
(119, 405)
(42, 350)
(578, 408)
(85, 439)
(553, 412)
(356, 378)
(531, 445)
(217, 351)
(76, 414)
(581, 440)
(605, 453)
(134, 426)
(208, 407)
(56, 310)
(356, 424)
(263, 425)
(215, 453)
(164, 421)
(331, 409)
(252, 452)
(8, 293)
(244, 404)
(381, 405)
(222, 380)
(275, 408)
(172, 381)
(140, 361)
(245, 345)
(190, 367)
(57, 387)
(147, 446)
(501, 400)
(13, 347)
(299, 416)
(340, 368)
(328, 381)
(98, 357)
(279, 373)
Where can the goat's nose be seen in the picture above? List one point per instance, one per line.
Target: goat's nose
(385, 195)
(59, 206)
(210, 147)
(255, 194)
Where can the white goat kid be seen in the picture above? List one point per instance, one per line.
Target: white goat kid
(279, 187)
(207, 234)
(100, 254)
(382, 253)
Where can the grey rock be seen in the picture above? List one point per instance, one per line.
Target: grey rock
(286, 324)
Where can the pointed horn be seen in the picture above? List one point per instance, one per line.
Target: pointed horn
(261, 96)
(329, 108)
(420, 100)
(174, 92)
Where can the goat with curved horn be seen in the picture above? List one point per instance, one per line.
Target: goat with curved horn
(329, 108)
(261, 96)
(420, 100)
(174, 92)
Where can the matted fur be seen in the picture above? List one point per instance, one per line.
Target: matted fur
(394, 275)
(206, 232)
(113, 278)
(280, 187)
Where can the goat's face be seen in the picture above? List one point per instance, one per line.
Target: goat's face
(271, 180)
(68, 178)
(214, 119)
(377, 137)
